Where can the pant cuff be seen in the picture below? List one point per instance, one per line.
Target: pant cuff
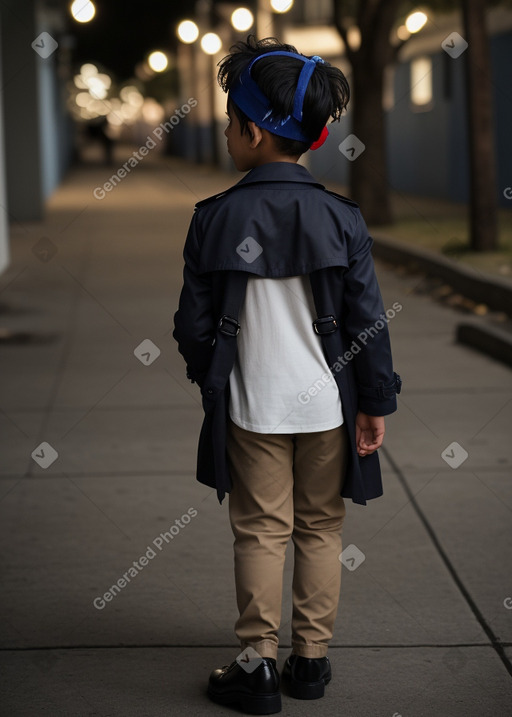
(264, 648)
(311, 651)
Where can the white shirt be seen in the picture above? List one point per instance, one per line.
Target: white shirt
(281, 382)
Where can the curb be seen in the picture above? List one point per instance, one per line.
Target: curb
(487, 339)
(496, 293)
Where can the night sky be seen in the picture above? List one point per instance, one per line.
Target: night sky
(123, 32)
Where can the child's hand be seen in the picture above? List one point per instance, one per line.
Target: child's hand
(369, 433)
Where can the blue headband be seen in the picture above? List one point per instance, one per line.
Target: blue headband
(247, 95)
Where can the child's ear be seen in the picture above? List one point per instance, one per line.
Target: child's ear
(256, 134)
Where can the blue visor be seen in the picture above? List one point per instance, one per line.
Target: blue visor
(250, 99)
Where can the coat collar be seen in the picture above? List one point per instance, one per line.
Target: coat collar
(279, 172)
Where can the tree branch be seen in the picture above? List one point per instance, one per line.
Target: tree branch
(338, 23)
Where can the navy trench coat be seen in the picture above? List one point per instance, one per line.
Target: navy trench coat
(279, 221)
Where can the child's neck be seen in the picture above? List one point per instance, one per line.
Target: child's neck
(267, 158)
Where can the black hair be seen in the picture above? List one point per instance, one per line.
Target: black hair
(326, 96)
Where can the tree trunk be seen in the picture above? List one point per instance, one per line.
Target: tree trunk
(368, 176)
(368, 179)
(483, 219)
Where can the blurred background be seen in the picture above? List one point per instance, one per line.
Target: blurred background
(435, 124)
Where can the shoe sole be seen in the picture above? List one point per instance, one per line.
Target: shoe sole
(305, 690)
(251, 704)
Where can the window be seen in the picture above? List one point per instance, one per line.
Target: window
(421, 83)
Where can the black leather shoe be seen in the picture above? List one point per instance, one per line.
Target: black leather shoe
(306, 677)
(256, 692)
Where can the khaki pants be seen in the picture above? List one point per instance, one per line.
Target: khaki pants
(287, 486)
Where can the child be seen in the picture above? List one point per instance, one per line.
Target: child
(282, 325)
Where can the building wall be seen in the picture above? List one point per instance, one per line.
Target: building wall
(38, 131)
(501, 55)
(428, 148)
(424, 153)
(20, 103)
(4, 233)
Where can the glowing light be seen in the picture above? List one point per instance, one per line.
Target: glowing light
(96, 88)
(82, 99)
(88, 70)
(83, 10)
(128, 112)
(114, 119)
(242, 19)
(354, 37)
(152, 111)
(415, 21)
(211, 43)
(98, 107)
(132, 96)
(403, 33)
(158, 61)
(281, 5)
(188, 31)
(79, 82)
(421, 81)
(105, 80)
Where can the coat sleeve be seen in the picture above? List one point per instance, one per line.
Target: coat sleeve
(366, 324)
(194, 324)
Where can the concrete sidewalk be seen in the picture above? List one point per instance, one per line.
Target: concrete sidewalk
(425, 622)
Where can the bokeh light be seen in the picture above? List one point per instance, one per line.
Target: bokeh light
(188, 31)
(415, 21)
(158, 61)
(354, 37)
(242, 19)
(403, 33)
(281, 5)
(91, 99)
(211, 43)
(88, 70)
(83, 10)
(152, 111)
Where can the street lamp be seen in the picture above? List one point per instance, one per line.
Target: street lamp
(83, 10)
(415, 21)
(281, 5)
(158, 61)
(211, 43)
(188, 31)
(242, 19)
